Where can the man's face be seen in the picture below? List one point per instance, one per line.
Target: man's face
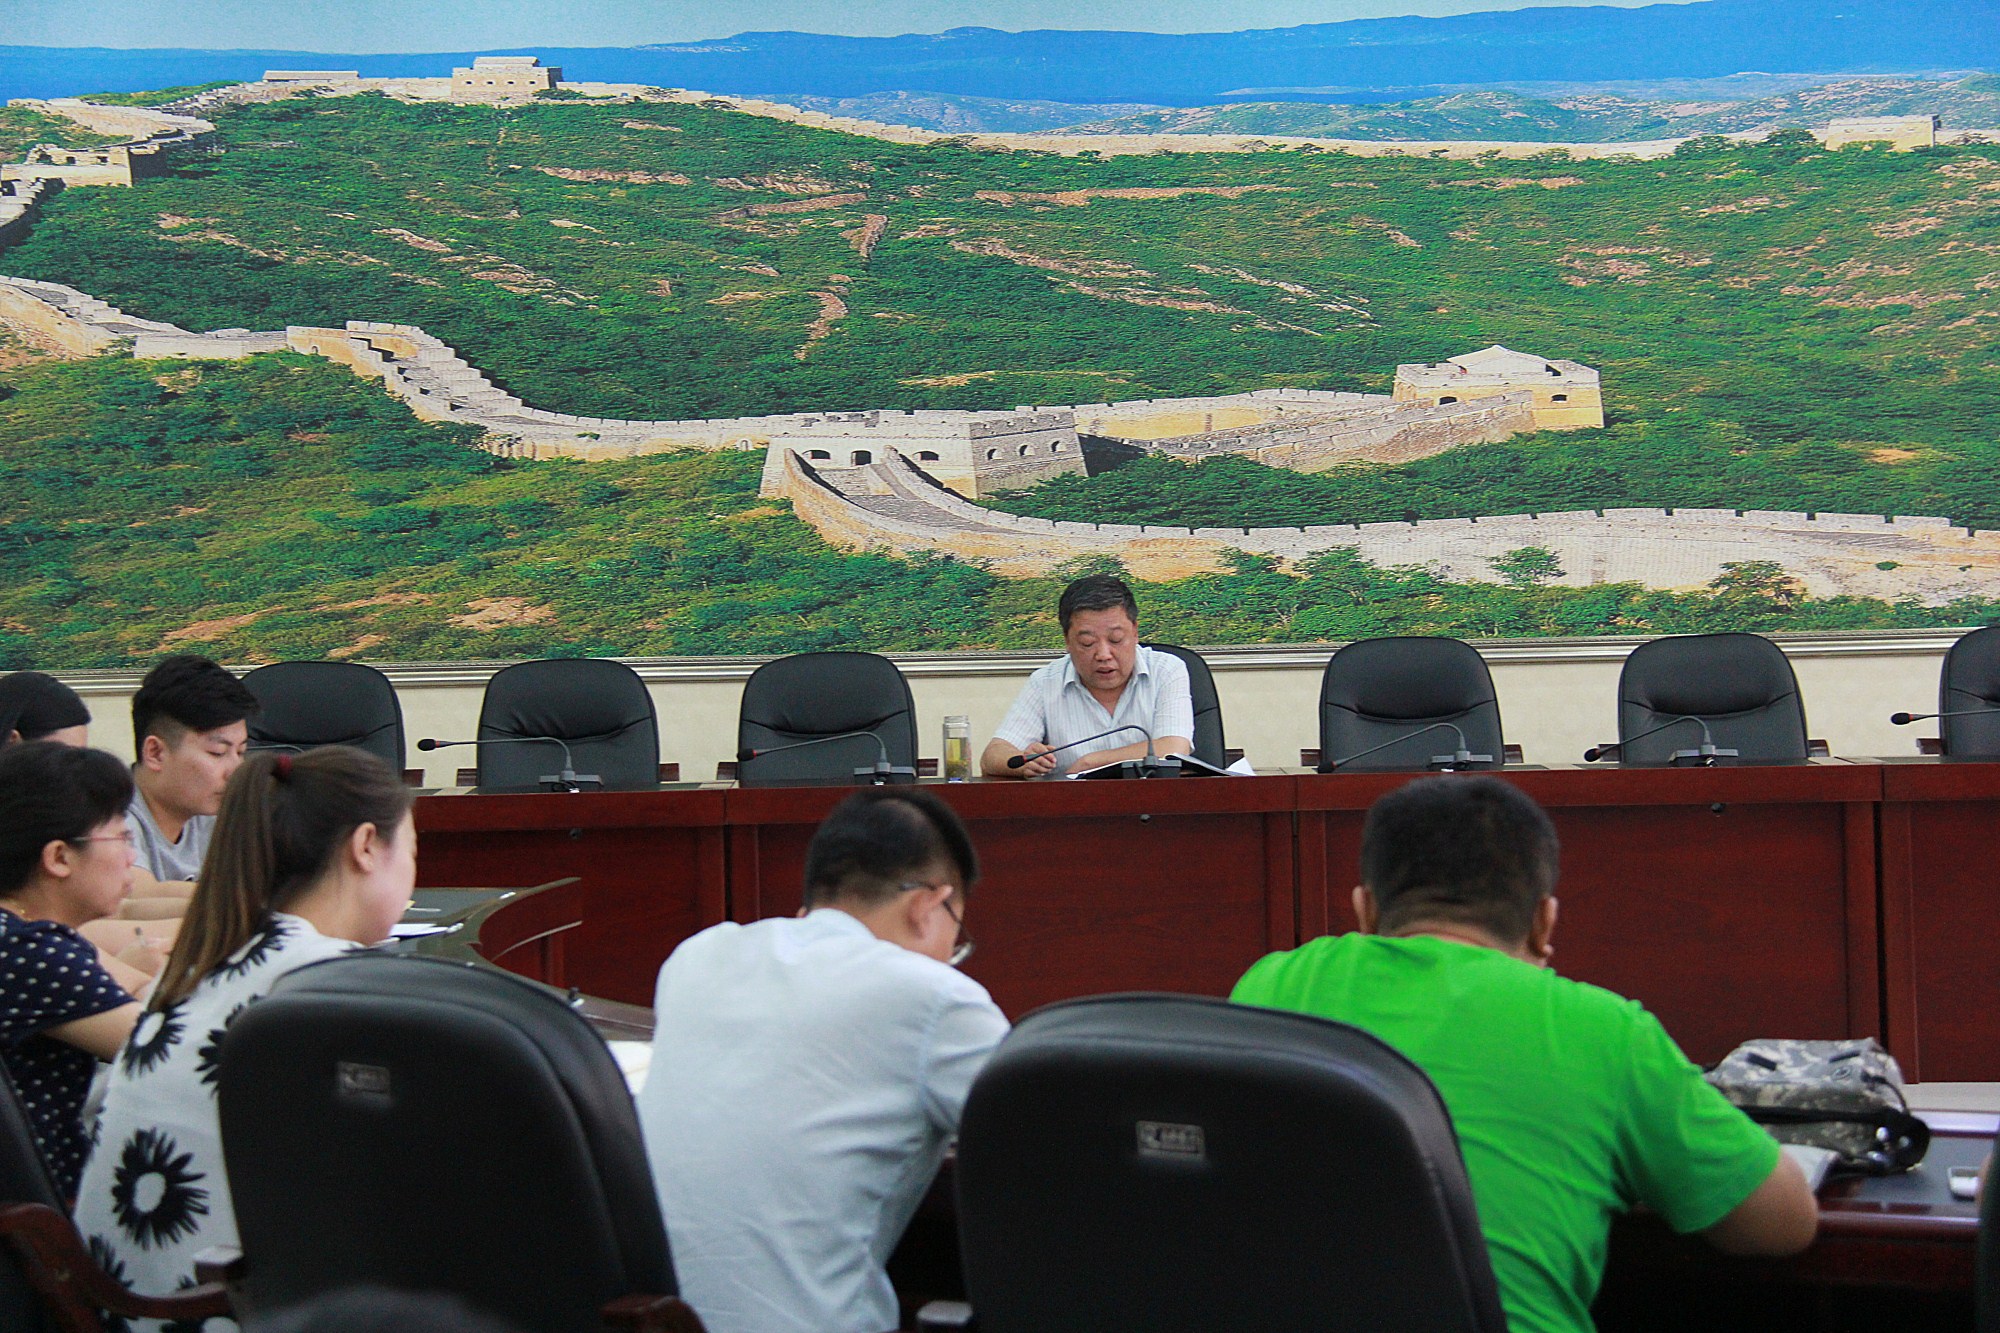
(195, 768)
(1103, 646)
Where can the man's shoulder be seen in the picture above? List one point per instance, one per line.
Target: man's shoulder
(1161, 664)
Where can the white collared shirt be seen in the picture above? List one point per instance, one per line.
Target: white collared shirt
(804, 1081)
(1055, 707)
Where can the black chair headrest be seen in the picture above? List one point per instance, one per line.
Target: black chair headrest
(1707, 675)
(1408, 678)
(577, 698)
(823, 694)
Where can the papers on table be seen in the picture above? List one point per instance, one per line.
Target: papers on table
(414, 930)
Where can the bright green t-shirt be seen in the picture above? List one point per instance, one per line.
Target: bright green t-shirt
(1571, 1104)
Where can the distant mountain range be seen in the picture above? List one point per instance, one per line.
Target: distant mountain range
(1668, 41)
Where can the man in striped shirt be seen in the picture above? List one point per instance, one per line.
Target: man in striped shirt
(1107, 680)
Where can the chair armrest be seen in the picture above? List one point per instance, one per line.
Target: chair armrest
(413, 777)
(1512, 754)
(1310, 758)
(1818, 750)
(945, 1316)
(74, 1287)
(725, 770)
(467, 777)
(927, 768)
(1930, 745)
(641, 1313)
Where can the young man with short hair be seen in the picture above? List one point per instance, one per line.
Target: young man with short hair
(190, 728)
(807, 1072)
(1105, 680)
(1571, 1104)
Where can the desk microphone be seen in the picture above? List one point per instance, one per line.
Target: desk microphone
(1905, 719)
(1443, 763)
(567, 780)
(1703, 757)
(1147, 766)
(880, 774)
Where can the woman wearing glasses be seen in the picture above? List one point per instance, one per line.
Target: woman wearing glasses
(65, 861)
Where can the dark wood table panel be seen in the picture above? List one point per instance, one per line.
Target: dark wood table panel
(1941, 917)
(649, 866)
(1088, 887)
(1732, 902)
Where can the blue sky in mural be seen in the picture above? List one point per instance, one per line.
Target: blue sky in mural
(433, 25)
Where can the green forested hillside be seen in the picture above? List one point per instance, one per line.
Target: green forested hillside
(1776, 326)
(620, 271)
(280, 507)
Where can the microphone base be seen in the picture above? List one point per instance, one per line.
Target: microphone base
(570, 782)
(1706, 757)
(1452, 763)
(893, 776)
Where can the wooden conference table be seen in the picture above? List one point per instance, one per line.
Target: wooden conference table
(1824, 899)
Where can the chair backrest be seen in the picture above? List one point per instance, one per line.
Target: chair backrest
(1971, 681)
(24, 1178)
(1377, 690)
(598, 707)
(309, 704)
(823, 694)
(1208, 742)
(1174, 1162)
(424, 1125)
(1741, 685)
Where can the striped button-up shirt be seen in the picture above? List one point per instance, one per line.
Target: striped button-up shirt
(1056, 708)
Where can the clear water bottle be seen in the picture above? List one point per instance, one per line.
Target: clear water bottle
(957, 747)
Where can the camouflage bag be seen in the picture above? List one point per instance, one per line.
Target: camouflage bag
(1844, 1096)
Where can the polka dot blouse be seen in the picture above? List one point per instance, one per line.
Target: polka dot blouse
(49, 975)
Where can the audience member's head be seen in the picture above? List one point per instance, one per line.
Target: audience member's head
(65, 854)
(899, 858)
(189, 728)
(333, 823)
(1459, 851)
(38, 707)
(379, 1310)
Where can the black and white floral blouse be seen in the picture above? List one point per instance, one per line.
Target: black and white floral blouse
(154, 1194)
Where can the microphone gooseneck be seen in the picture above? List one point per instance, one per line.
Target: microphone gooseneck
(1703, 757)
(880, 774)
(1441, 762)
(1020, 759)
(567, 780)
(1905, 719)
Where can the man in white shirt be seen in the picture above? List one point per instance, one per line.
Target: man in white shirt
(1105, 681)
(808, 1072)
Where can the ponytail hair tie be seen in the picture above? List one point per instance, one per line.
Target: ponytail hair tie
(282, 769)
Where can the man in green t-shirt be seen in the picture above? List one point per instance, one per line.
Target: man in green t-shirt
(1571, 1104)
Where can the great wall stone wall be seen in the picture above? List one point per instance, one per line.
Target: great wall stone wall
(896, 508)
(902, 499)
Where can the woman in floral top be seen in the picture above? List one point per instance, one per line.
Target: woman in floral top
(312, 856)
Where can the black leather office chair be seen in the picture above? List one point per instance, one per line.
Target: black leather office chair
(1741, 685)
(1209, 746)
(1179, 1163)
(423, 1125)
(823, 694)
(1970, 683)
(598, 707)
(49, 1280)
(1377, 690)
(309, 704)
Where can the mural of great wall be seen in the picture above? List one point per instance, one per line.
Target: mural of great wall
(905, 481)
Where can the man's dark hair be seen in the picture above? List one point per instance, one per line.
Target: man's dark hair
(877, 839)
(184, 694)
(368, 1309)
(36, 704)
(1461, 850)
(1096, 592)
(52, 792)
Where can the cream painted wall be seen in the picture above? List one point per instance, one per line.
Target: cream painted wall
(1556, 698)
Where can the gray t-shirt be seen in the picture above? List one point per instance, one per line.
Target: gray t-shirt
(168, 860)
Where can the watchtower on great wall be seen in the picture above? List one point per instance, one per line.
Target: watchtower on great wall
(504, 79)
(1567, 395)
(973, 453)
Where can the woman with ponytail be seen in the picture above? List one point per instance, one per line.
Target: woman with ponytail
(313, 855)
